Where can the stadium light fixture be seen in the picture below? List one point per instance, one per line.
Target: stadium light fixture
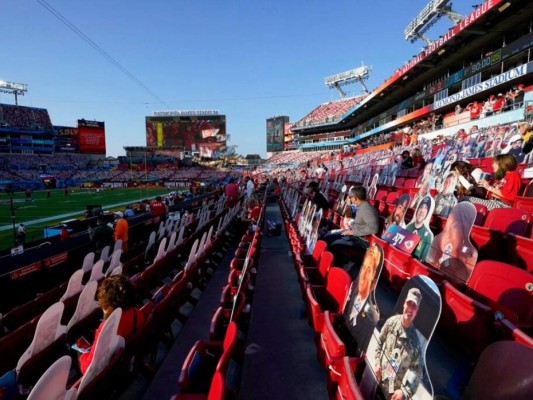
(504, 7)
(345, 78)
(428, 17)
(13, 88)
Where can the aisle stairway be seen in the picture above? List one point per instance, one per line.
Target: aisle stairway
(280, 360)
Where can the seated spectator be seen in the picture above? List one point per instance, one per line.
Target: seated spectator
(407, 160)
(418, 159)
(506, 186)
(101, 236)
(115, 292)
(366, 222)
(128, 212)
(468, 180)
(317, 197)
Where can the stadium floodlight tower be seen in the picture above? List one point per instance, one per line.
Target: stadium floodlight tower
(428, 17)
(13, 88)
(345, 78)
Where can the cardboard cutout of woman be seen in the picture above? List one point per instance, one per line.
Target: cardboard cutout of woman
(451, 251)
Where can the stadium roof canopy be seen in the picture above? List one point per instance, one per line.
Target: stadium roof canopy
(506, 16)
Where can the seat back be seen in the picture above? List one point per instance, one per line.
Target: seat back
(508, 220)
(347, 388)
(503, 371)
(505, 285)
(97, 273)
(86, 304)
(88, 262)
(48, 329)
(74, 286)
(325, 263)
(320, 247)
(338, 283)
(53, 383)
(108, 345)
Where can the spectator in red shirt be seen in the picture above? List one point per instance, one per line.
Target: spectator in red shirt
(158, 208)
(499, 103)
(115, 292)
(65, 234)
(506, 186)
(475, 110)
(232, 193)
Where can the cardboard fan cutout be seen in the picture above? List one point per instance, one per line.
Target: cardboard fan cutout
(360, 312)
(451, 251)
(396, 354)
(420, 226)
(398, 215)
(446, 200)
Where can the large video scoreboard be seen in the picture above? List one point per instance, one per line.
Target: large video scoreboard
(195, 131)
(275, 131)
(91, 137)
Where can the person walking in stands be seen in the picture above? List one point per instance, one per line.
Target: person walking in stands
(65, 234)
(158, 208)
(101, 236)
(366, 222)
(506, 186)
(115, 292)
(21, 234)
(232, 193)
(121, 230)
(317, 197)
(250, 187)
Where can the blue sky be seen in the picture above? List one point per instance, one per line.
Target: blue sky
(248, 59)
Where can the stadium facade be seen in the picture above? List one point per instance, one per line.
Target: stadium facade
(486, 53)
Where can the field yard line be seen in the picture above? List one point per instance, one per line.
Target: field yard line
(57, 217)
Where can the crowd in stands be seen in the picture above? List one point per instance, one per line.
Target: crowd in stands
(329, 112)
(17, 117)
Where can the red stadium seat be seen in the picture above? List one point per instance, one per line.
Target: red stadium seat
(316, 276)
(345, 387)
(312, 259)
(495, 291)
(505, 288)
(488, 242)
(524, 203)
(204, 359)
(330, 297)
(520, 252)
(502, 372)
(397, 267)
(508, 220)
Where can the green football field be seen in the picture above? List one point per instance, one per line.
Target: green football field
(59, 204)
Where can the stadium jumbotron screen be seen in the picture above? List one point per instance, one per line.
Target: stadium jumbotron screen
(205, 134)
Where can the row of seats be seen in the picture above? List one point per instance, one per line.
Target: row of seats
(493, 306)
(156, 310)
(205, 369)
